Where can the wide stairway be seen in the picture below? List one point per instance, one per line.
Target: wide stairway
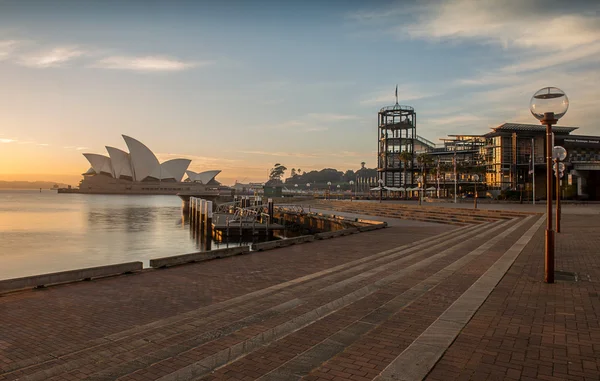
(426, 213)
(387, 316)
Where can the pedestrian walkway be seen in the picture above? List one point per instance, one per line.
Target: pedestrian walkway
(397, 304)
(528, 330)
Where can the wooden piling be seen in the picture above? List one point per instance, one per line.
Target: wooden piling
(202, 215)
(208, 224)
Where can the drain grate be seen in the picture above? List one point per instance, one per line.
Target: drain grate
(566, 276)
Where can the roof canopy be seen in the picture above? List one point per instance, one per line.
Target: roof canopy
(138, 164)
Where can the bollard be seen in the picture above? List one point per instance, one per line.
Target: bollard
(202, 215)
(270, 209)
(208, 224)
(191, 211)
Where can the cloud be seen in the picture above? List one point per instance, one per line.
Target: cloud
(332, 117)
(43, 144)
(511, 23)
(146, 63)
(7, 47)
(387, 96)
(316, 129)
(7, 140)
(51, 58)
(532, 44)
(280, 154)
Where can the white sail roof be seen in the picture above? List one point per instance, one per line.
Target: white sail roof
(121, 162)
(140, 163)
(203, 177)
(143, 161)
(100, 163)
(174, 168)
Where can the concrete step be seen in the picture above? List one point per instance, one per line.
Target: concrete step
(414, 215)
(121, 347)
(278, 322)
(192, 346)
(359, 341)
(411, 212)
(434, 208)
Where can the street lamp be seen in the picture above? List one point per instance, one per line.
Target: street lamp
(548, 105)
(476, 178)
(419, 181)
(380, 181)
(351, 182)
(328, 194)
(559, 154)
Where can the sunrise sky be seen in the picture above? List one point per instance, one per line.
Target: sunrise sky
(241, 85)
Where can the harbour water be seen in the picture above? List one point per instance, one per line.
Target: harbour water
(47, 232)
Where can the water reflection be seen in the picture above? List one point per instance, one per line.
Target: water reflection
(46, 232)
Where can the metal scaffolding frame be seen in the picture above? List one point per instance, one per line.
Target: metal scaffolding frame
(397, 126)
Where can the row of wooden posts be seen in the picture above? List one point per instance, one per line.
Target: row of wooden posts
(200, 217)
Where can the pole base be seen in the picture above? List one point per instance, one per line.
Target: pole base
(549, 257)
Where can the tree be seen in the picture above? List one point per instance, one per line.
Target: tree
(425, 161)
(349, 175)
(293, 172)
(276, 173)
(405, 157)
(299, 171)
(362, 165)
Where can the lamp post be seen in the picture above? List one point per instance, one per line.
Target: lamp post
(559, 154)
(328, 195)
(455, 177)
(476, 178)
(308, 187)
(548, 105)
(351, 182)
(296, 186)
(419, 183)
(380, 181)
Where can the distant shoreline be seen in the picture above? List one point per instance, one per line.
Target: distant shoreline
(25, 185)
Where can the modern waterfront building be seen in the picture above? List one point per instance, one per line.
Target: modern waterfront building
(509, 157)
(397, 134)
(140, 172)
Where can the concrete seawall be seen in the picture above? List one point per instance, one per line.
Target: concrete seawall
(198, 256)
(89, 273)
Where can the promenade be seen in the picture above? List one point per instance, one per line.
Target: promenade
(413, 301)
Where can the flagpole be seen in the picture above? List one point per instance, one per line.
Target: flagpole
(455, 177)
(533, 165)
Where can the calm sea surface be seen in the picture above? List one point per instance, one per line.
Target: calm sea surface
(46, 232)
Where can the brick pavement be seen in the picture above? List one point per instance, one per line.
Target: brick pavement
(528, 330)
(341, 309)
(39, 322)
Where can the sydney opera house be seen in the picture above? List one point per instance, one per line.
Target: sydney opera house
(139, 172)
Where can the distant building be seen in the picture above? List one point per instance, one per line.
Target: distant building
(509, 155)
(139, 172)
(504, 159)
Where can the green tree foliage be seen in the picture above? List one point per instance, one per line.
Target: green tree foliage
(277, 173)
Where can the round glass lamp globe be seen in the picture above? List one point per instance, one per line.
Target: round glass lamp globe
(549, 99)
(559, 152)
